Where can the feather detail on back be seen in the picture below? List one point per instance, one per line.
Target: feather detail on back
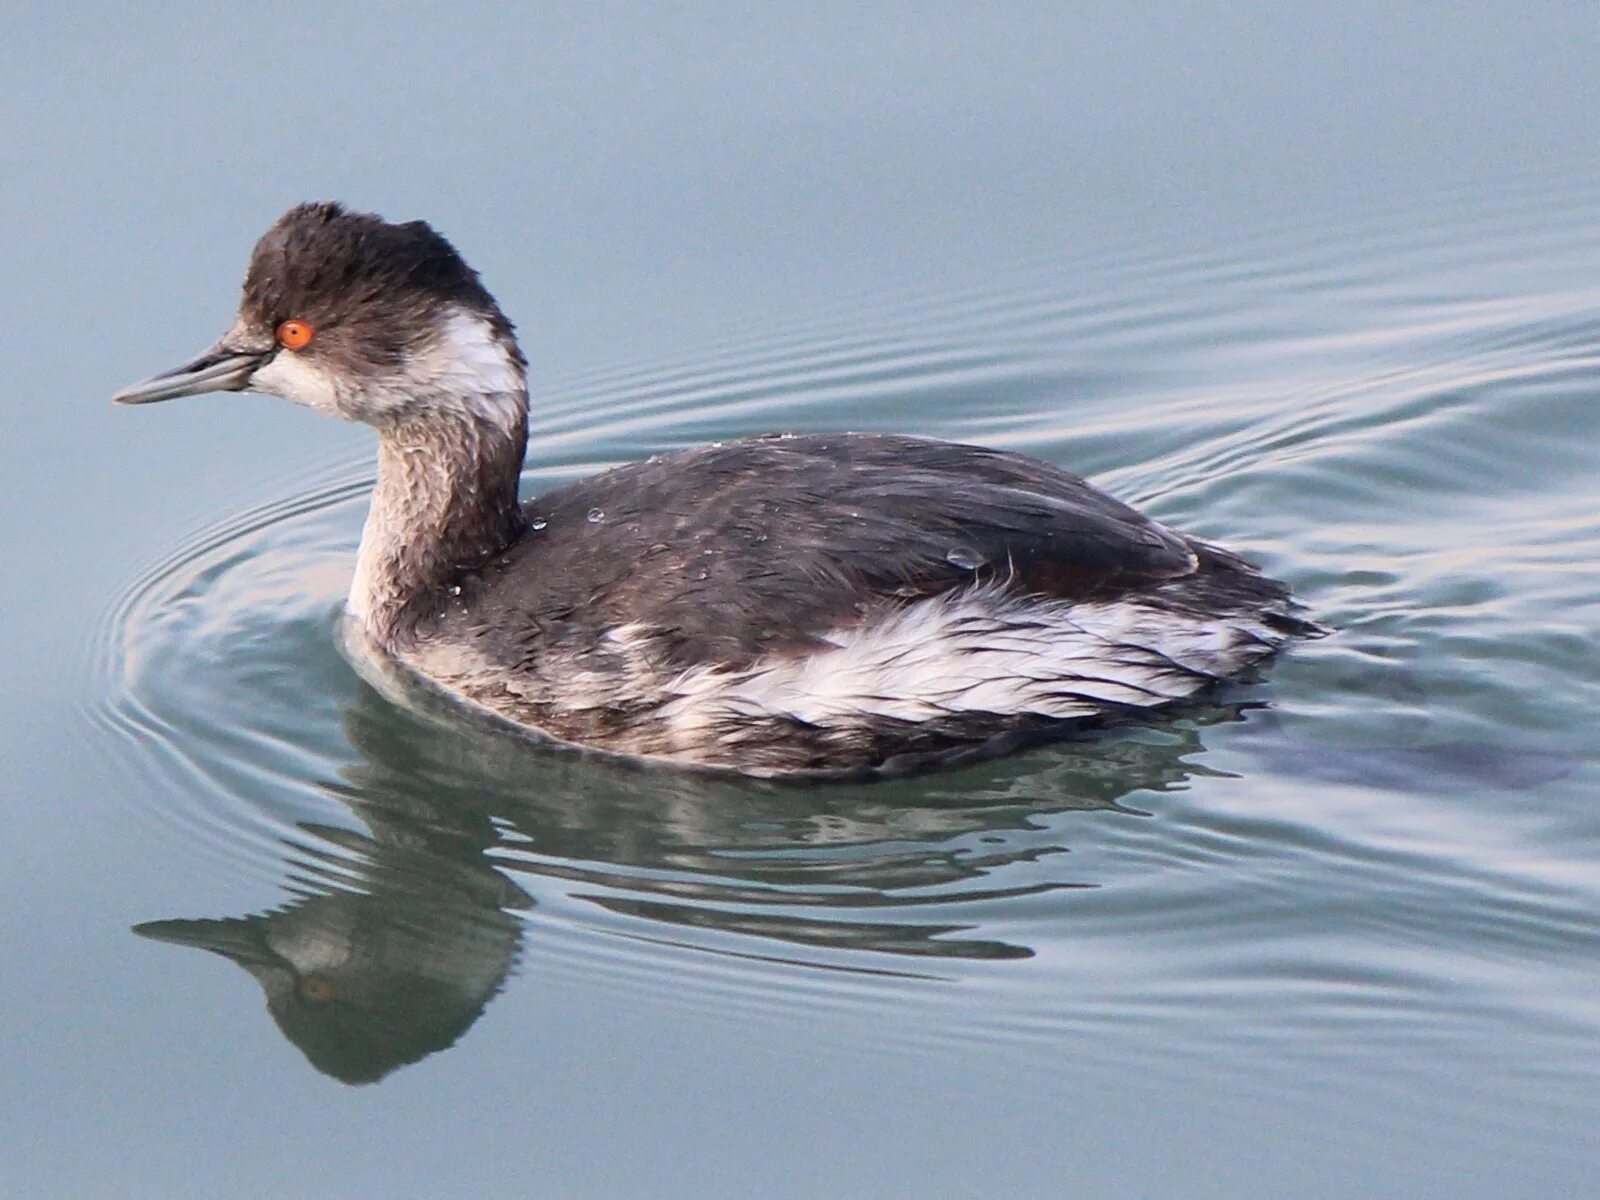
(826, 603)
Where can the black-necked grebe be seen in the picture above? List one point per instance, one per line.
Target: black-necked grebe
(826, 602)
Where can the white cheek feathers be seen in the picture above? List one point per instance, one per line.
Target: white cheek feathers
(300, 378)
(464, 369)
(469, 366)
(467, 356)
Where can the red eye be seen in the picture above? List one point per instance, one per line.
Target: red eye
(295, 335)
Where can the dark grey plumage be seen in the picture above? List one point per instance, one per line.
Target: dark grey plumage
(735, 550)
(825, 602)
(729, 555)
(373, 290)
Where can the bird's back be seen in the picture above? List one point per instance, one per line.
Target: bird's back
(836, 600)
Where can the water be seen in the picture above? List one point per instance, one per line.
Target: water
(1335, 937)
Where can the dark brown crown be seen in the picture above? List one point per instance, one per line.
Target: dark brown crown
(355, 274)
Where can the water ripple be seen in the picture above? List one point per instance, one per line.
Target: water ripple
(1403, 426)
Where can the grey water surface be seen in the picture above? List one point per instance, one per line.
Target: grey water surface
(1322, 286)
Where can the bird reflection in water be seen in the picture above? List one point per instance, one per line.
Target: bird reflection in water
(397, 938)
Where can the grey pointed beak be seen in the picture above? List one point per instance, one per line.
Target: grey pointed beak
(220, 369)
(237, 938)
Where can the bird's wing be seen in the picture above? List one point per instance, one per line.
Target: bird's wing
(730, 551)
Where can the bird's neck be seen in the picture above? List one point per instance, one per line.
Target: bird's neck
(446, 500)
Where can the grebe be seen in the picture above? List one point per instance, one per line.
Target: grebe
(828, 603)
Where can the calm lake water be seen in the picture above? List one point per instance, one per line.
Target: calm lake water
(1325, 289)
